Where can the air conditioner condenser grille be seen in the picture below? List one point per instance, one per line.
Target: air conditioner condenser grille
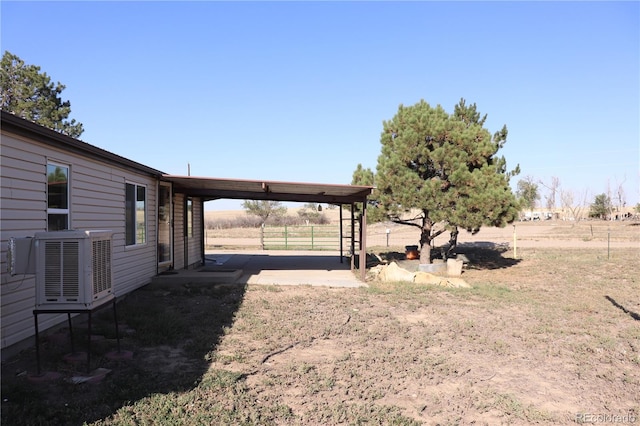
(101, 266)
(62, 270)
(74, 269)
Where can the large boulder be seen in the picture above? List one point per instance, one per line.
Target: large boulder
(454, 283)
(394, 273)
(426, 278)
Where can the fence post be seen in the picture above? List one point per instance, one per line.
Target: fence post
(312, 237)
(286, 245)
(262, 236)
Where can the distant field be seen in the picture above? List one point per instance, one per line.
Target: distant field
(332, 214)
(550, 233)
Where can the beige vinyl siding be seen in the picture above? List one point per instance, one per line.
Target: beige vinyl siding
(97, 201)
(23, 201)
(193, 242)
(18, 299)
(179, 220)
(22, 191)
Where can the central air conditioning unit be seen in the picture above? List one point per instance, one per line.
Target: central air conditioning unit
(73, 269)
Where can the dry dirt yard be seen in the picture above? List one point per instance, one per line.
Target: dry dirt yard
(549, 337)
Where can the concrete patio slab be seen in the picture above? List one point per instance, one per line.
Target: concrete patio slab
(314, 268)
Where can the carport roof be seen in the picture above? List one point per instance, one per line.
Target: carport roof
(215, 188)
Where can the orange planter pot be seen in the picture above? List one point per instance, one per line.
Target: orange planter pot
(412, 252)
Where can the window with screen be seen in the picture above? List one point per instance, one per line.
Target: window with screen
(135, 214)
(57, 197)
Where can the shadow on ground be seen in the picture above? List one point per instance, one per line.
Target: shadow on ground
(632, 314)
(170, 354)
(484, 255)
(480, 255)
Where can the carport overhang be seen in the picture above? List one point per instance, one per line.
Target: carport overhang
(209, 189)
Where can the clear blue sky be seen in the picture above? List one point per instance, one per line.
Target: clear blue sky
(297, 91)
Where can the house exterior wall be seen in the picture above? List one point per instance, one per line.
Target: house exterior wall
(97, 201)
(187, 250)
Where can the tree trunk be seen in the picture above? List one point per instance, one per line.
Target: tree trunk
(453, 242)
(425, 241)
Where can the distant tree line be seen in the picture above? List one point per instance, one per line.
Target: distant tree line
(606, 205)
(271, 213)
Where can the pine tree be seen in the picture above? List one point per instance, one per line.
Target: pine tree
(601, 207)
(362, 176)
(31, 95)
(446, 168)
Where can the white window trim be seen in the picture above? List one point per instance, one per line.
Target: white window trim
(66, 211)
(146, 210)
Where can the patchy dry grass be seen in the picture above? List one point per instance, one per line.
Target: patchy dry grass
(541, 340)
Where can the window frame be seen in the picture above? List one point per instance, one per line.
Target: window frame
(59, 211)
(131, 216)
